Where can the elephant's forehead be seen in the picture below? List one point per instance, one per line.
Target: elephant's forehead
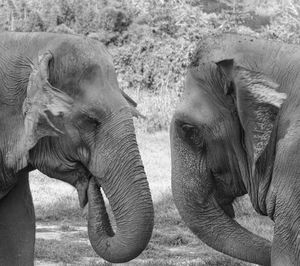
(197, 103)
(104, 96)
(101, 91)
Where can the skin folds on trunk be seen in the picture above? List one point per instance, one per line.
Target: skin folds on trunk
(132, 234)
(127, 190)
(193, 192)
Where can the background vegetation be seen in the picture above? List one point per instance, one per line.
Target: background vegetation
(151, 42)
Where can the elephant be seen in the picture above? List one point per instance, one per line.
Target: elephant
(236, 131)
(62, 112)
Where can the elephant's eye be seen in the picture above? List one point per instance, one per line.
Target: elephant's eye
(93, 121)
(87, 122)
(188, 130)
(191, 134)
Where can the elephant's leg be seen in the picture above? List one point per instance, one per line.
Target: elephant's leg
(17, 225)
(286, 241)
(284, 247)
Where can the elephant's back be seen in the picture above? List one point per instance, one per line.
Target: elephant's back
(30, 45)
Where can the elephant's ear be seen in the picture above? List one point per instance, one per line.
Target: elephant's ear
(258, 103)
(43, 110)
(132, 105)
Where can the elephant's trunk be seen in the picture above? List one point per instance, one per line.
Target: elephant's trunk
(193, 192)
(127, 190)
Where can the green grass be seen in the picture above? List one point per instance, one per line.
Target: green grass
(62, 235)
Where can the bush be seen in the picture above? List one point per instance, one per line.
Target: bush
(151, 40)
(114, 20)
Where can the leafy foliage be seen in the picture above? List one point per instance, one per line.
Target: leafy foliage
(151, 40)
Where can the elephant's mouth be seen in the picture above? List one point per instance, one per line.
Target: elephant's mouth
(226, 204)
(82, 188)
(223, 199)
(228, 209)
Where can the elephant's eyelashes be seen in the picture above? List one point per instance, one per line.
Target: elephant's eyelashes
(191, 134)
(88, 122)
(94, 121)
(188, 130)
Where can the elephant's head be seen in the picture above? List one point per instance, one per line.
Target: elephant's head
(219, 132)
(77, 127)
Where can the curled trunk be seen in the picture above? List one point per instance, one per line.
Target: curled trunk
(193, 192)
(127, 190)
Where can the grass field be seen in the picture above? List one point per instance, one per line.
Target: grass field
(61, 224)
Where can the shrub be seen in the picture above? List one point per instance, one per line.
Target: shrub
(34, 22)
(114, 20)
(151, 40)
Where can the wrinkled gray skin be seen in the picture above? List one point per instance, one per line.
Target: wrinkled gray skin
(237, 131)
(62, 112)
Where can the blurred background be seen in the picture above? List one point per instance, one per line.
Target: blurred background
(151, 43)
